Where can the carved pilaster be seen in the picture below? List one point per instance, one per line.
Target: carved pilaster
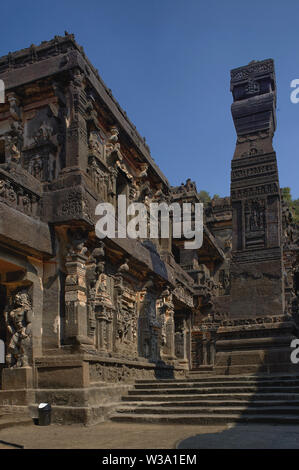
(166, 314)
(101, 308)
(181, 341)
(126, 315)
(76, 134)
(75, 291)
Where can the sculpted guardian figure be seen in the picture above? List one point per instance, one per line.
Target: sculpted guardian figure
(18, 318)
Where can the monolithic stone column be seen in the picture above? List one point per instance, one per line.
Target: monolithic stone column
(256, 269)
(257, 337)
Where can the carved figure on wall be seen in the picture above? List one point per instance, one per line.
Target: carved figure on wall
(124, 267)
(18, 318)
(255, 216)
(143, 171)
(77, 240)
(13, 149)
(95, 143)
(36, 168)
(14, 108)
(252, 87)
(43, 134)
(113, 146)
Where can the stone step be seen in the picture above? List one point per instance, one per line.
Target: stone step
(208, 400)
(219, 390)
(211, 396)
(223, 378)
(202, 419)
(9, 420)
(238, 410)
(210, 403)
(196, 384)
(202, 370)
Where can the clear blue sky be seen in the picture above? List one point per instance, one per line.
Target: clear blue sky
(168, 62)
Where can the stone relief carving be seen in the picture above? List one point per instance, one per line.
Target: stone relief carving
(255, 215)
(149, 325)
(165, 308)
(224, 279)
(112, 146)
(268, 189)
(252, 69)
(43, 134)
(75, 204)
(255, 222)
(252, 87)
(14, 142)
(126, 313)
(18, 317)
(18, 197)
(98, 177)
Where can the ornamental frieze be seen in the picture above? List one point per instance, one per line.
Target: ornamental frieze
(18, 197)
(244, 193)
(253, 171)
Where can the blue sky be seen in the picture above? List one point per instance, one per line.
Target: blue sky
(168, 62)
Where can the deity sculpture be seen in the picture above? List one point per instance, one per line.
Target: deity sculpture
(18, 318)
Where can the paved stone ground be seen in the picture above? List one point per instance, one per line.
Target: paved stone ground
(151, 436)
(251, 436)
(107, 435)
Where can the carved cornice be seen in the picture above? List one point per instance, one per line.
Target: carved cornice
(252, 70)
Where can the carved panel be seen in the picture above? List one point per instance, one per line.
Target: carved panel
(255, 223)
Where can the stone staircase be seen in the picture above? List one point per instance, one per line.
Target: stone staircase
(18, 417)
(212, 399)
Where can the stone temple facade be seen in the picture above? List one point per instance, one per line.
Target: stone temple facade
(83, 318)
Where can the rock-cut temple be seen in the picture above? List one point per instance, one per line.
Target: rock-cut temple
(84, 320)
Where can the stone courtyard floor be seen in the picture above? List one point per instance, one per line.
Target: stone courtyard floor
(107, 435)
(150, 436)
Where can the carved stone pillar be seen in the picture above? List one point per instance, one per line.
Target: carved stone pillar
(204, 351)
(166, 309)
(76, 138)
(104, 318)
(181, 342)
(101, 334)
(212, 351)
(76, 319)
(170, 332)
(111, 185)
(75, 298)
(126, 343)
(255, 195)
(100, 303)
